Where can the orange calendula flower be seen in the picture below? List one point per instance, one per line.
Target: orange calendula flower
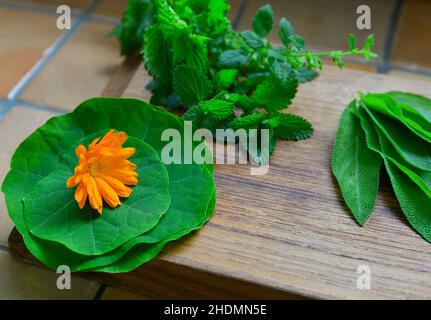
(104, 172)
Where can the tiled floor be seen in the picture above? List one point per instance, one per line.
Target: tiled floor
(20, 49)
(80, 70)
(21, 281)
(45, 71)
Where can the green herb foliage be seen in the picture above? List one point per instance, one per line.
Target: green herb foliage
(392, 128)
(198, 61)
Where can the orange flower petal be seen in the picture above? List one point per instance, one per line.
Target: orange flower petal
(108, 194)
(104, 172)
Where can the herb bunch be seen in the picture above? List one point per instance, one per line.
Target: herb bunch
(224, 78)
(391, 130)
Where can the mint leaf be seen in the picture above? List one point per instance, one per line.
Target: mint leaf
(251, 121)
(191, 85)
(157, 56)
(232, 59)
(252, 39)
(292, 127)
(285, 32)
(217, 109)
(278, 90)
(226, 77)
(263, 21)
(138, 16)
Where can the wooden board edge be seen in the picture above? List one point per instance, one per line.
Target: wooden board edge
(161, 279)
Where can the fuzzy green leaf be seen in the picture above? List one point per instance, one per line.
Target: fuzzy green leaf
(413, 201)
(292, 127)
(278, 90)
(157, 55)
(356, 167)
(285, 32)
(217, 109)
(252, 121)
(226, 77)
(191, 85)
(138, 16)
(232, 59)
(263, 21)
(252, 39)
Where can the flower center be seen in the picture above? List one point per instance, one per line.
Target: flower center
(95, 169)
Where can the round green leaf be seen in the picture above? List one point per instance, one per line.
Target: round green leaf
(136, 118)
(51, 212)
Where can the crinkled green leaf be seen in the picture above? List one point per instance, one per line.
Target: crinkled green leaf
(138, 16)
(278, 90)
(252, 121)
(191, 85)
(217, 109)
(226, 77)
(263, 21)
(252, 39)
(157, 55)
(232, 59)
(285, 32)
(292, 127)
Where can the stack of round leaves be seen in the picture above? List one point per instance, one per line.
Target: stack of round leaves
(168, 202)
(394, 129)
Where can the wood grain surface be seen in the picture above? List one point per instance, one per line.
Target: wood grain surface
(288, 234)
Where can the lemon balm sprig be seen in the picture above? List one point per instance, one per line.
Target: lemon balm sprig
(313, 58)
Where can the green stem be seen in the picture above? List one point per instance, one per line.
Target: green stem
(326, 54)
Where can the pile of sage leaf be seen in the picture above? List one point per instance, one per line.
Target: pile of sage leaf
(393, 129)
(221, 77)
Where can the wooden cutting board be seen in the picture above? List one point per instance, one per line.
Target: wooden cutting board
(288, 234)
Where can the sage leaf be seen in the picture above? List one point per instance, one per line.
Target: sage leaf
(413, 201)
(356, 167)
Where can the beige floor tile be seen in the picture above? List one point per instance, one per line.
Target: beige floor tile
(74, 4)
(325, 24)
(23, 36)
(413, 45)
(111, 8)
(16, 125)
(116, 8)
(119, 294)
(80, 70)
(21, 281)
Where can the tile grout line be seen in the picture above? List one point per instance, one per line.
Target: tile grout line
(391, 34)
(33, 106)
(52, 11)
(34, 8)
(4, 248)
(237, 19)
(14, 95)
(100, 292)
